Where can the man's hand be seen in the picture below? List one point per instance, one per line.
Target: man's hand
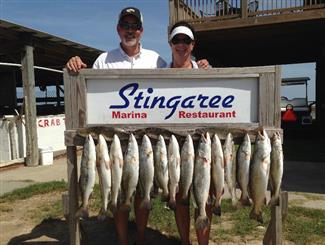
(203, 64)
(75, 64)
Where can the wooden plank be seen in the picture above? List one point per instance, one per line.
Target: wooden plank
(32, 156)
(74, 223)
(263, 99)
(80, 107)
(76, 137)
(244, 9)
(235, 72)
(277, 97)
(13, 141)
(270, 98)
(70, 100)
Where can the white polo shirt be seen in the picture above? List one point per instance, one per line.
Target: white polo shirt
(118, 59)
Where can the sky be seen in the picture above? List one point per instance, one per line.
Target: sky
(93, 23)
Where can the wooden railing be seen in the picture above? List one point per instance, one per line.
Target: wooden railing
(222, 9)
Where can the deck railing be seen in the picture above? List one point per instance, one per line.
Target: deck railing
(223, 9)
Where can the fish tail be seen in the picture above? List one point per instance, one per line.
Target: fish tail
(244, 200)
(102, 215)
(82, 213)
(234, 201)
(146, 204)
(216, 210)
(256, 215)
(126, 206)
(172, 204)
(202, 222)
(113, 207)
(165, 196)
(185, 199)
(274, 201)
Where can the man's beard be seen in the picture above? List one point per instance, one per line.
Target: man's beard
(129, 42)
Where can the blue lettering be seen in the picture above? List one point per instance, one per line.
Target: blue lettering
(172, 105)
(188, 102)
(203, 98)
(121, 93)
(226, 103)
(215, 101)
(137, 100)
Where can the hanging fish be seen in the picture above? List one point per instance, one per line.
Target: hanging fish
(87, 175)
(130, 175)
(146, 176)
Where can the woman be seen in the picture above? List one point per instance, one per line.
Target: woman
(182, 41)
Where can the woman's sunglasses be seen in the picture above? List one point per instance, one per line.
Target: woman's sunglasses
(128, 26)
(186, 41)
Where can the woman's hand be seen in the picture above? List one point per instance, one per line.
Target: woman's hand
(203, 64)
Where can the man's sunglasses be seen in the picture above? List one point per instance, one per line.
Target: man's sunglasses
(128, 26)
(186, 41)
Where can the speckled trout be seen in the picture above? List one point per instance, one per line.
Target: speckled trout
(243, 162)
(161, 167)
(146, 176)
(230, 168)
(116, 157)
(130, 175)
(174, 170)
(201, 180)
(259, 174)
(187, 169)
(217, 173)
(87, 175)
(104, 174)
(276, 168)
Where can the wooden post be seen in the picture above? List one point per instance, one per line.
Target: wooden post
(273, 234)
(74, 225)
(244, 8)
(30, 106)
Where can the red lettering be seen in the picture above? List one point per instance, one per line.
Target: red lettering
(46, 123)
(40, 123)
(52, 122)
(58, 122)
(181, 114)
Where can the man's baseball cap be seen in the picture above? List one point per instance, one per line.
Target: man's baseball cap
(131, 11)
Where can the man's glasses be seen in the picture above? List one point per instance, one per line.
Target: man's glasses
(186, 41)
(128, 26)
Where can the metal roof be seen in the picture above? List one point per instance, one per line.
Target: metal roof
(49, 50)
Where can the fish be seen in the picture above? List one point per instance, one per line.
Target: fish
(276, 168)
(217, 173)
(146, 171)
(161, 167)
(87, 175)
(174, 170)
(130, 175)
(259, 174)
(243, 163)
(230, 175)
(201, 180)
(116, 157)
(104, 173)
(186, 169)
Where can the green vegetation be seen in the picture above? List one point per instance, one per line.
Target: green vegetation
(36, 189)
(303, 225)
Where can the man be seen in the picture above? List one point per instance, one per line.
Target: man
(131, 55)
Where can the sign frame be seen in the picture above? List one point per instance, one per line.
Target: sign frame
(268, 92)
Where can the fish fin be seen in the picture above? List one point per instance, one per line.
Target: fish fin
(202, 222)
(216, 210)
(256, 216)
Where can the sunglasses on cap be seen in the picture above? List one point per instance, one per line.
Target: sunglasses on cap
(128, 26)
(177, 40)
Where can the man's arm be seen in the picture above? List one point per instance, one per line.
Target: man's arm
(75, 64)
